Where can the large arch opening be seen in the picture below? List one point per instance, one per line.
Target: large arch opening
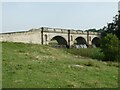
(96, 42)
(80, 42)
(58, 41)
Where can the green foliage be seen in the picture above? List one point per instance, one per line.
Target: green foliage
(110, 47)
(53, 43)
(113, 27)
(39, 66)
(95, 30)
(93, 53)
(117, 31)
(92, 30)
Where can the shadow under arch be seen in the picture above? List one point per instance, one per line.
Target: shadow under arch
(60, 41)
(96, 42)
(80, 42)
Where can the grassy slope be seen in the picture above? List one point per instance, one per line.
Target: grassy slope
(36, 66)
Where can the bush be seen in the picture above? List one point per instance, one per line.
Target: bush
(93, 53)
(110, 47)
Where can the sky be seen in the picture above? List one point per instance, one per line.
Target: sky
(22, 16)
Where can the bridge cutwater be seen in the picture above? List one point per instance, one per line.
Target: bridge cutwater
(44, 35)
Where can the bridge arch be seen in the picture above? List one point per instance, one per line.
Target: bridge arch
(60, 40)
(80, 40)
(96, 42)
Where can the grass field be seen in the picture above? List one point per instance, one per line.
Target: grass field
(37, 66)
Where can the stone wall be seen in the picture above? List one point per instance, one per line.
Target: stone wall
(32, 36)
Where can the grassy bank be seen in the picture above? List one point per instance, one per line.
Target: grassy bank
(37, 66)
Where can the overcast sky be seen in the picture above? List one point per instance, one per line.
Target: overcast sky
(18, 16)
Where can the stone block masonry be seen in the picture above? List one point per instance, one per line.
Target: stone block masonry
(44, 35)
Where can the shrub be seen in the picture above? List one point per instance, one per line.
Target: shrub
(110, 47)
(93, 53)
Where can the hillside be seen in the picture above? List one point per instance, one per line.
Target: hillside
(37, 66)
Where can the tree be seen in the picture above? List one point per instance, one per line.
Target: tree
(92, 30)
(113, 27)
(117, 31)
(110, 47)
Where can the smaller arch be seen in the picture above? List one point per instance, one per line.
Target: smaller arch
(71, 38)
(45, 37)
(96, 42)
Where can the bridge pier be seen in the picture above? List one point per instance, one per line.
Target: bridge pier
(42, 35)
(68, 39)
(89, 43)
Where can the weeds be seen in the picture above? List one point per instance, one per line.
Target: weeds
(93, 53)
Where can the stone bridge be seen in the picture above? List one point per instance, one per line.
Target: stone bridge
(45, 35)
